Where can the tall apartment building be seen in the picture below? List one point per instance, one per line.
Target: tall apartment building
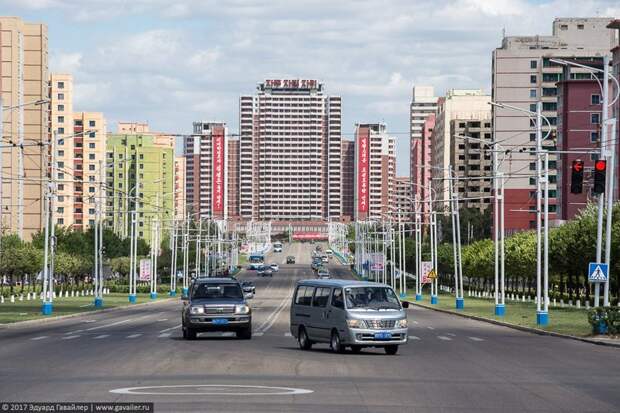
(457, 104)
(23, 76)
(233, 178)
(472, 160)
(523, 75)
(375, 169)
(348, 179)
(423, 105)
(138, 168)
(421, 166)
(289, 152)
(615, 110)
(179, 186)
(400, 199)
(80, 157)
(207, 170)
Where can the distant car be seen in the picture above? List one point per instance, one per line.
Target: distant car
(324, 259)
(277, 247)
(265, 271)
(290, 259)
(248, 287)
(274, 267)
(323, 273)
(318, 248)
(329, 253)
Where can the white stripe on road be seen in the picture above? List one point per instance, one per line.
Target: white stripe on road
(171, 328)
(163, 319)
(134, 336)
(476, 338)
(444, 338)
(101, 336)
(164, 335)
(414, 338)
(430, 328)
(69, 337)
(38, 338)
(259, 334)
(112, 324)
(451, 334)
(414, 322)
(288, 335)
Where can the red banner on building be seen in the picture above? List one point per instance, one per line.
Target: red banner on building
(218, 171)
(363, 169)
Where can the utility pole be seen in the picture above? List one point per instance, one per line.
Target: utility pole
(608, 148)
(542, 317)
(48, 281)
(173, 258)
(20, 140)
(186, 256)
(98, 241)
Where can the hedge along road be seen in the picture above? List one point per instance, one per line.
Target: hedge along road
(450, 363)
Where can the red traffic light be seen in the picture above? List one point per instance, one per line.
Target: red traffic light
(577, 165)
(600, 165)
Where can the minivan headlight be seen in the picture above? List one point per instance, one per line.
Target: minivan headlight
(195, 309)
(242, 309)
(402, 323)
(355, 323)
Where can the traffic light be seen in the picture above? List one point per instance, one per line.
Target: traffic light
(576, 181)
(600, 167)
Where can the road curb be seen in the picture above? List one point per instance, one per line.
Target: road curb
(516, 327)
(26, 323)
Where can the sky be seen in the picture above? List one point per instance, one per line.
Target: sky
(172, 62)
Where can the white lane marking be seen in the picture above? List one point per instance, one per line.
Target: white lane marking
(430, 328)
(163, 319)
(288, 335)
(444, 338)
(414, 338)
(451, 334)
(269, 322)
(414, 322)
(112, 324)
(69, 337)
(69, 333)
(101, 336)
(171, 328)
(258, 334)
(164, 335)
(134, 335)
(38, 338)
(218, 390)
(476, 338)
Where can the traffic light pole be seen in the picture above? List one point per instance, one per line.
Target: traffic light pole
(610, 177)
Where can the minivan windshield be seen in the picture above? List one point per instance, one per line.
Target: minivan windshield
(371, 297)
(217, 291)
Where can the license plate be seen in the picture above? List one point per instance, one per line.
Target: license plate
(220, 321)
(383, 336)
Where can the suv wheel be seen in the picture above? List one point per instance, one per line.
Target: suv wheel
(303, 340)
(335, 343)
(245, 333)
(189, 333)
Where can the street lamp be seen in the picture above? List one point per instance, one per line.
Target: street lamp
(606, 152)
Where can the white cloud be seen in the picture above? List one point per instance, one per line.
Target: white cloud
(66, 62)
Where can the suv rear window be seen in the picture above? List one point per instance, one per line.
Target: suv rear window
(304, 295)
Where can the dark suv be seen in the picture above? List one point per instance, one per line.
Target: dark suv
(216, 304)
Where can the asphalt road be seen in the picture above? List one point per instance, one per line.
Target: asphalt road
(450, 364)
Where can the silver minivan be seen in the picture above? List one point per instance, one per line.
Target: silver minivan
(345, 313)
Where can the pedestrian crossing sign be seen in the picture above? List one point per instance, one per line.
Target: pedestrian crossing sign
(432, 275)
(598, 272)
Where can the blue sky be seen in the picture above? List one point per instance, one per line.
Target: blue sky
(173, 62)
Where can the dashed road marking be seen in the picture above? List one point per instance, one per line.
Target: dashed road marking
(288, 335)
(476, 338)
(451, 334)
(39, 338)
(164, 335)
(69, 337)
(134, 335)
(101, 336)
(414, 338)
(259, 334)
(163, 319)
(444, 338)
(430, 328)
(171, 328)
(415, 322)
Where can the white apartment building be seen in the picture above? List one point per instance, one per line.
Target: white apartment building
(290, 152)
(523, 75)
(423, 104)
(457, 104)
(375, 171)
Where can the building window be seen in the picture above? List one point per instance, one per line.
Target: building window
(595, 99)
(61, 85)
(92, 134)
(91, 156)
(61, 175)
(61, 131)
(61, 119)
(595, 118)
(92, 123)
(60, 221)
(564, 27)
(91, 211)
(61, 96)
(580, 27)
(532, 93)
(61, 210)
(553, 179)
(61, 108)
(61, 164)
(91, 178)
(532, 107)
(532, 166)
(78, 122)
(533, 79)
(91, 189)
(61, 198)
(61, 187)
(91, 145)
(533, 64)
(593, 137)
(532, 137)
(594, 156)
(91, 167)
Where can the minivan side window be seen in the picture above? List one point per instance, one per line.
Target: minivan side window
(304, 295)
(321, 297)
(337, 300)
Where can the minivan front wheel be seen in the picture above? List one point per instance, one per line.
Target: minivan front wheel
(335, 343)
(391, 349)
(303, 340)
